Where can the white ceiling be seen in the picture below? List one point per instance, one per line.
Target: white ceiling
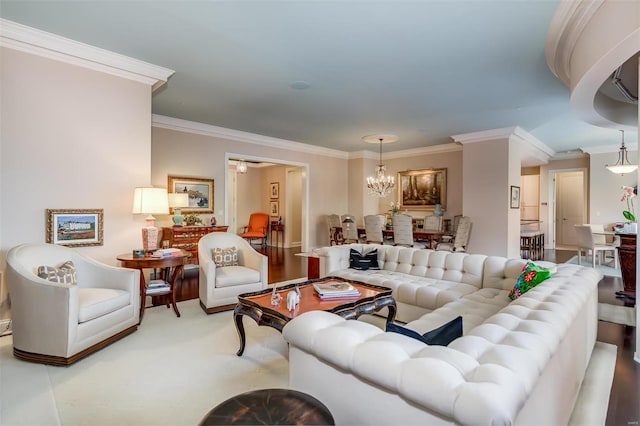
(423, 70)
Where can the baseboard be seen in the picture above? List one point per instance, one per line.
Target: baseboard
(5, 327)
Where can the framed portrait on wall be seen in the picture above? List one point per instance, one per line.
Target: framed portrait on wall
(274, 209)
(274, 190)
(515, 197)
(200, 190)
(422, 189)
(74, 227)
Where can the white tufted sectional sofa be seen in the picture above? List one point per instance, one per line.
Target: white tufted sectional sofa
(518, 362)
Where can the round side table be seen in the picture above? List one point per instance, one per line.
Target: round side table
(270, 407)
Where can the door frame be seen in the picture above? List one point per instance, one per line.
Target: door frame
(276, 161)
(551, 210)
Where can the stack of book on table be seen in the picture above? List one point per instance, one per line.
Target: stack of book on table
(157, 286)
(335, 289)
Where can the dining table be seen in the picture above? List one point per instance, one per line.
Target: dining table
(432, 237)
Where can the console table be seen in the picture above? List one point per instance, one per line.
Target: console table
(187, 237)
(627, 256)
(278, 228)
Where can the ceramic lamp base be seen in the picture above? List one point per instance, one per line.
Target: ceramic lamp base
(150, 236)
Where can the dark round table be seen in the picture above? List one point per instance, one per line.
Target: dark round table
(270, 407)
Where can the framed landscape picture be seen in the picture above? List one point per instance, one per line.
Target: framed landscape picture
(75, 227)
(422, 189)
(200, 192)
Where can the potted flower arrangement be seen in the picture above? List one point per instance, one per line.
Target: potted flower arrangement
(192, 219)
(628, 194)
(394, 210)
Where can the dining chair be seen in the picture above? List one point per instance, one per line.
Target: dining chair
(333, 222)
(432, 223)
(373, 225)
(349, 228)
(460, 238)
(596, 244)
(403, 231)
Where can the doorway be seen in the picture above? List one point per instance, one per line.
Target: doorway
(569, 189)
(292, 200)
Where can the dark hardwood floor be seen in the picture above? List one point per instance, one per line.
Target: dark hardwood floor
(624, 402)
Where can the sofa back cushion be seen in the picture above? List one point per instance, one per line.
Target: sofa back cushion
(502, 273)
(440, 265)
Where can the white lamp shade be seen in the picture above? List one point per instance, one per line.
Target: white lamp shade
(149, 200)
(178, 200)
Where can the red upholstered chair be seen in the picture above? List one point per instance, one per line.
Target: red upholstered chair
(257, 229)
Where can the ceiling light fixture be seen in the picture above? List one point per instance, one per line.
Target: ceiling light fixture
(623, 165)
(241, 167)
(381, 184)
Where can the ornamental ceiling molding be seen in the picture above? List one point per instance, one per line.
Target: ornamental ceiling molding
(414, 152)
(587, 41)
(567, 25)
(41, 43)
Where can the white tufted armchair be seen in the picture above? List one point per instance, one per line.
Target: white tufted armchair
(60, 324)
(220, 286)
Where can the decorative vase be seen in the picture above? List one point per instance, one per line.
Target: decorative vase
(437, 210)
(631, 228)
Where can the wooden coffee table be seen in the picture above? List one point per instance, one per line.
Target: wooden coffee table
(257, 305)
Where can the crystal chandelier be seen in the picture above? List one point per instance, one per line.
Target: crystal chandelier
(381, 184)
(623, 165)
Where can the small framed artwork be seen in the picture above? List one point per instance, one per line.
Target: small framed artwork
(274, 208)
(274, 190)
(200, 190)
(515, 197)
(75, 227)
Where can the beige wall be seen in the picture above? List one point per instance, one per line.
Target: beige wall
(71, 138)
(189, 154)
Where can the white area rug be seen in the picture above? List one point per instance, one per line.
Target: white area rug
(612, 313)
(606, 269)
(172, 371)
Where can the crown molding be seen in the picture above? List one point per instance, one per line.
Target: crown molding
(569, 155)
(30, 40)
(177, 124)
(534, 148)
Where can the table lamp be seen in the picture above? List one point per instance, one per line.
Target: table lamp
(177, 200)
(149, 200)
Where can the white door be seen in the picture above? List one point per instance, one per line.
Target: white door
(570, 207)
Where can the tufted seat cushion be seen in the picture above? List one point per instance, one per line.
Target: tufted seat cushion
(235, 275)
(483, 377)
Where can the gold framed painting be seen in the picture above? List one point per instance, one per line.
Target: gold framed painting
(75, 227)
(200, 190)
(422, 189)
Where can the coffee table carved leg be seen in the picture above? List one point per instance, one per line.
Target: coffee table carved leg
(240, 327)
(392, 312)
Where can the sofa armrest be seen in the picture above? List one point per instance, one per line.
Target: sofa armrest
(254, 260)
(44, 315)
